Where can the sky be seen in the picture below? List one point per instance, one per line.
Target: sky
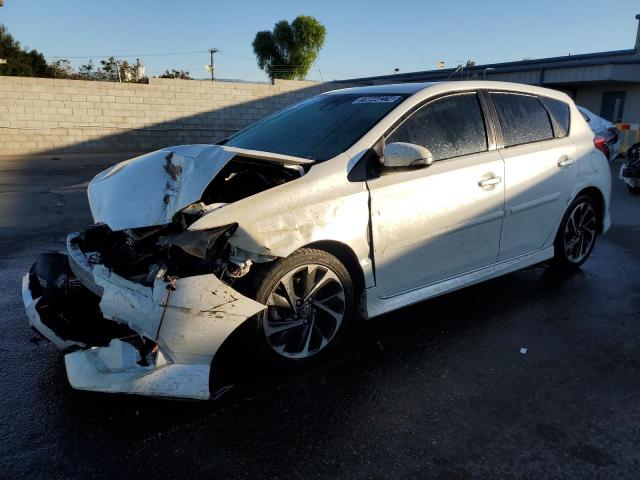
(364, 38)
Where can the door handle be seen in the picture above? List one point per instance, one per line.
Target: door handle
(565, 161)
(489, 182)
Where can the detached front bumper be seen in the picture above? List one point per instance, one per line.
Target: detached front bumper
(36, 323)
(186, 320)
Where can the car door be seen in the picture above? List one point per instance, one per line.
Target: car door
(436, 222)
(540, 173)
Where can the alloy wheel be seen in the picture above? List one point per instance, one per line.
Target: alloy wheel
(580, 232)
(304, 311)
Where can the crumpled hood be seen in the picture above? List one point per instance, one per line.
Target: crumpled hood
(148, 190)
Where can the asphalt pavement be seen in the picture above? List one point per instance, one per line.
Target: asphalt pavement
(532, 375)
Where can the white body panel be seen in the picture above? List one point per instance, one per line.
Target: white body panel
(115, 369)
(322, 205)
(435, 222)
(537, 193)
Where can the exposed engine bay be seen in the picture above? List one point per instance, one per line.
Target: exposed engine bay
(139, 254)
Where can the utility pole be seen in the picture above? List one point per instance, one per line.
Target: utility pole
(212, 51)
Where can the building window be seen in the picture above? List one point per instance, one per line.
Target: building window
(612, 106)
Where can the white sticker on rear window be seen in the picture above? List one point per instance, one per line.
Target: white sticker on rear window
(378, 99)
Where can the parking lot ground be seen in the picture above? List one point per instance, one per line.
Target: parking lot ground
(440, 389)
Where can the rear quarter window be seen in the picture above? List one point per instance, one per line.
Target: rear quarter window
(523, 118)
(560, 113)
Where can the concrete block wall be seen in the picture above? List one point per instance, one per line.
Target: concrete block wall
(40, 115)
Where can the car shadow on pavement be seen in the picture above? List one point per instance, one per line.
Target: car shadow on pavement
(239, 373)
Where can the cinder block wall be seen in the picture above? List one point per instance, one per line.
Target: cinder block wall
(39, 115)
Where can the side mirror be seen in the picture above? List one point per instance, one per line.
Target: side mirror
(401, 154)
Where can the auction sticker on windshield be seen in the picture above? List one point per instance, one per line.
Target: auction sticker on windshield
(378, 99)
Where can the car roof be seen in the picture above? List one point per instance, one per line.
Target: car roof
(406, 88)
(422, 89)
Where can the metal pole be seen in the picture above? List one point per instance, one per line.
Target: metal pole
(212, 51)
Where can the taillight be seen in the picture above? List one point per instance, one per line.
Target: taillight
(601, 144)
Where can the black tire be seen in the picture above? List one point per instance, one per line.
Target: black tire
(561, 257)
(633, 190)
(268, 282)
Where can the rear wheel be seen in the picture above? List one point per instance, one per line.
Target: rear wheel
(577, 233)
(310, 303)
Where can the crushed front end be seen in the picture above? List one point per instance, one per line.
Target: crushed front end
(142, 302)
(144, 311)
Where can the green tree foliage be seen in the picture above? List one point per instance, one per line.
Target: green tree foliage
(21, 61)
(290, 49)
(61, 68)
(173, 73)
(114, 70)
(87, 71)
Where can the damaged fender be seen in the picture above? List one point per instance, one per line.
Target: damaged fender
(321, 206)
(188, 318)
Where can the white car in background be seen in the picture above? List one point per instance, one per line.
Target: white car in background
(604, 129)
(355, 202)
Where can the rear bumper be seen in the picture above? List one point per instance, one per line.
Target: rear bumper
(184, 325)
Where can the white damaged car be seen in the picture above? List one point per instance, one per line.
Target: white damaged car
(352, 203)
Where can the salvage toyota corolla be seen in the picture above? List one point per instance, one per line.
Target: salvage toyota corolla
(352, 203)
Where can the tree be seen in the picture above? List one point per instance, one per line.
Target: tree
(290, 49)
(114, 70)
(173, 73)
(62, 68)
(21, 61)
(87, 71)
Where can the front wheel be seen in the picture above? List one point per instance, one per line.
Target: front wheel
(310, 302)
(577, 234)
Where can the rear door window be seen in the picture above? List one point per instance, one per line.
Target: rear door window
(523, 118)
(560, 113)
(449, 127)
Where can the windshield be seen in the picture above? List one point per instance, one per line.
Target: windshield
(318, 128)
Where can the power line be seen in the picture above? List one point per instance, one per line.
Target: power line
(276, 68)
(161, 54)
(236, 55)
(132, 55)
